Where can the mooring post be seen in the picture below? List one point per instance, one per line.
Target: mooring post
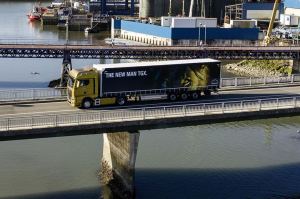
(66, 67)
(118, 162)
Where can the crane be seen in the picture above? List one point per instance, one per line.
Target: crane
(268, 39)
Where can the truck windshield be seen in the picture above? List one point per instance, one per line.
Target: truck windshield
(70, 82)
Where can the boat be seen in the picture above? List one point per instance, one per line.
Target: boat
(57, 4)
(34, 16)
(36, 13)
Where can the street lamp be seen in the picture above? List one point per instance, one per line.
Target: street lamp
(199, 36)
(67, 30)
(204, 34)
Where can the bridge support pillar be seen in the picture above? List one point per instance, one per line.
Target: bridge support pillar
(296, 64)
(118, 163)
(66, 67)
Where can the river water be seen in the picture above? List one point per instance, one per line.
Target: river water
(257, 159)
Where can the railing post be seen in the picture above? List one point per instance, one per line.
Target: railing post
(100, 116)
(235, 82)
(292, 79)
(204, 109)
(77, 117)
(241, 106)
(223, 105)
(184, 110)
(33, 93)
(295, 101)
(250, 81)
(8, 122)
(144, 113)
(221, 82)
(259, 105)
(277, 103)
(56, 120)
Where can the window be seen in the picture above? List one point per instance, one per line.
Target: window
(83, 82)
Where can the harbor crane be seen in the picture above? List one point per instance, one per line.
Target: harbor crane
(268, 38)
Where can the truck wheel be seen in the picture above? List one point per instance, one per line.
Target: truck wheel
(195, 95)
(184, 96)
(87, 103)
(207, 92)
(121, 101)
(172, 97)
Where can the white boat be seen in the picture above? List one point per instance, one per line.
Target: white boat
(56, 3)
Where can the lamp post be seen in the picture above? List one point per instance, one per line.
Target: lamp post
(204, 34)
(298, 31)
(199, 36)
(67, 30)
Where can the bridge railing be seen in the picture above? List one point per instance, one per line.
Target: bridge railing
(140, 114)
(235, 82)
(31, 94)
(259, 81)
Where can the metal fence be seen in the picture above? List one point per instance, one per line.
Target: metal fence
(236, 82)
(31, 94)
(123, 115)
(259, 81)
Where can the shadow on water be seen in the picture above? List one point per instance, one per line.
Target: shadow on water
(275, 182)
(278, 182)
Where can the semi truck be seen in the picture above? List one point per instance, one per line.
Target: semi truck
(105, 84)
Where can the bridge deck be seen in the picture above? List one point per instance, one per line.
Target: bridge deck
(57, 119)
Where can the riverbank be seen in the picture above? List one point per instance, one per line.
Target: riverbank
(260, 68)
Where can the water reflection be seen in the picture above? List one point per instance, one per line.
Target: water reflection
(268, 134)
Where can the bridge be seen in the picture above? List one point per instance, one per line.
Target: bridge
(121, 126)
(148, 52)
(68, 52)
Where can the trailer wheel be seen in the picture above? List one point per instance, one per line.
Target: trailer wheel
(172, 97)
(121, 101)
(195, 95)
(184, 96)
(87, 103)
(207, 92)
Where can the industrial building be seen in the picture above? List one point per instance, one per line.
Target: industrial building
(183, 31)
(253, 9)
(291, 17)
(203, 8)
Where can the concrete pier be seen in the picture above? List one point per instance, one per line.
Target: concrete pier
(66, 67)
(295, 64)
(118, 163)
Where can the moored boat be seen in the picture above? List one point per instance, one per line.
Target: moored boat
(33, 16)
(36, 13)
